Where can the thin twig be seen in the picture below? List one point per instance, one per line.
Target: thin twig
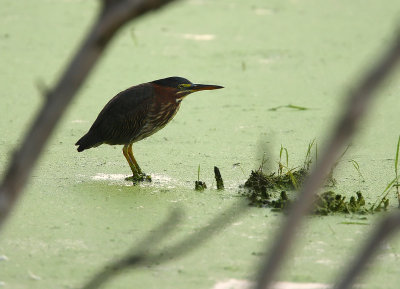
(359, 99)
(112, 17)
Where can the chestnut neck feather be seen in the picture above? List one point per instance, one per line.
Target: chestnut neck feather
(164, 93)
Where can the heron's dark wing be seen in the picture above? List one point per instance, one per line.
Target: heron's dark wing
(124, 115)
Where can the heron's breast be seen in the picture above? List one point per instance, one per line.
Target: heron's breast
(158, 117)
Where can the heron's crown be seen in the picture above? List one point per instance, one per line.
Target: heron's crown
(173, 81)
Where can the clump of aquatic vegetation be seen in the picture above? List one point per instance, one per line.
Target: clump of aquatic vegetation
(329, 202)
(261, 187)
(277, 190)
(199, 185)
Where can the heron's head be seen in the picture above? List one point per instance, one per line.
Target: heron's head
(182, 87)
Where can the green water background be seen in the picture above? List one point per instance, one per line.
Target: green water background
(78, 212)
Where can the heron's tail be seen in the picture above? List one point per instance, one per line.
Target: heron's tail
(88, 141)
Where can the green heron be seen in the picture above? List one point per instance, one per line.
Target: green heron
(136, 113)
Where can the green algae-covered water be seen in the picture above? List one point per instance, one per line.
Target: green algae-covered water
(78, 212)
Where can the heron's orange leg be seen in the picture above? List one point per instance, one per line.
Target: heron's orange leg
(125, 151)
(133, 159)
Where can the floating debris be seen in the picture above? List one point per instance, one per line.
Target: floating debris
(218, 179)
(296, 107)
(355, 223)
(357, 167)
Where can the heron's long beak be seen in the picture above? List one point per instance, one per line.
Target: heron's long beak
(198, 87)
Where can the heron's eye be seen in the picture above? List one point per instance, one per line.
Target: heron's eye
(183, 85)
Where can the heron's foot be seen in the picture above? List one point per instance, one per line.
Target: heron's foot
(139, 178)
(146, 178)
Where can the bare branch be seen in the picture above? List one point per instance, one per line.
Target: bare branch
(137, 255)
(359, 99)
(113, 15)
(144, 255)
